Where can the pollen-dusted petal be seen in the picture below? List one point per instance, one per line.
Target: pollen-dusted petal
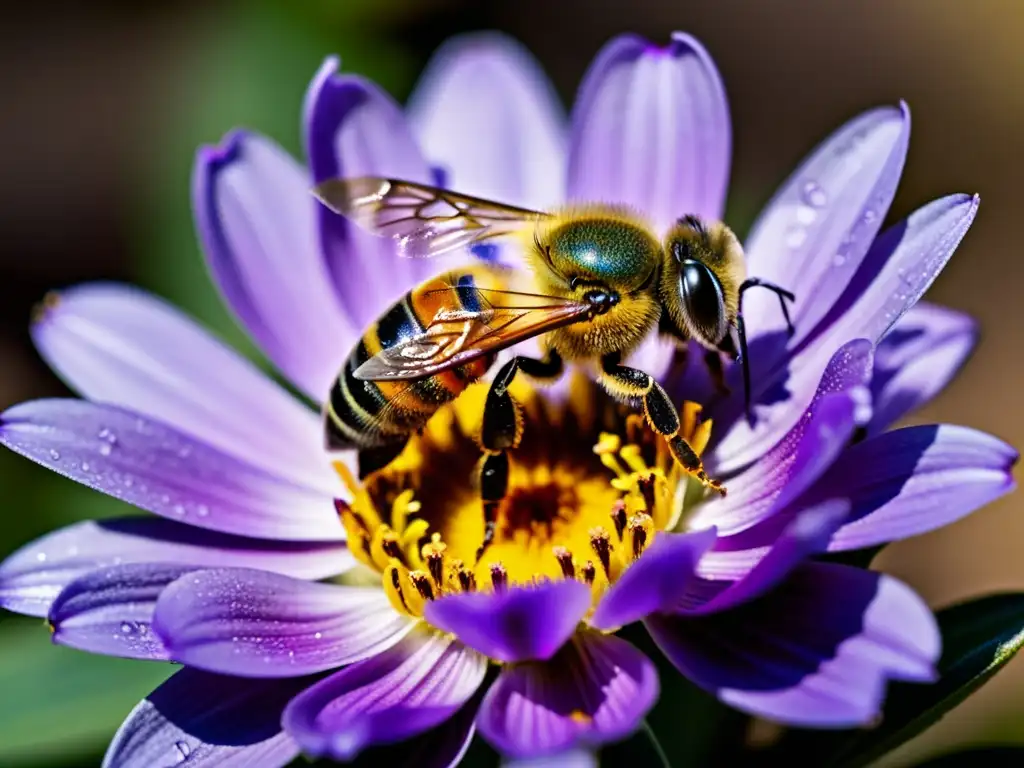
(257, 224)
(204, 720)
(596, 690)
(257, 624)
(34, 575)
(119, 345)
(110, 611)
(840, 404)
(815, 651)
(655, 582)
(400, 693)
(813, 235)
(916, 359)
(515, 624)
(650, 128)
(902, 263)
(353, 128)
(156, 467)
(487, 85)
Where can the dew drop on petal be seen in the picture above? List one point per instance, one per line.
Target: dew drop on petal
(127, 628)
(184, 750)
(105, 449)
(202, 510)
(838, 260)
(795, 237)
(54, 454)
(814, 195)
(41, 557)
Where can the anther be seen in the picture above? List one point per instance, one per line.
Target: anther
(638, 533)
(619, 518)
(396, 582)
(602, 546)
(499, 577)
(646, 485)
(389, 543)
(422, 583)
(433, 554)
(588, 572)
(564, 557)
(467, 580)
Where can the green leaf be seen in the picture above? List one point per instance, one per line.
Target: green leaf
(61, 704)
(979, 637)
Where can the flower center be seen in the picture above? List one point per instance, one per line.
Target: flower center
(590, 486)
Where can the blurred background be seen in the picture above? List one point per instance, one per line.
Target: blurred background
(104, 104)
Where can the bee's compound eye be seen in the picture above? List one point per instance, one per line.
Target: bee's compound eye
(703, 301)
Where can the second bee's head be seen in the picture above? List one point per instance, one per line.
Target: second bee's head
(699, 287)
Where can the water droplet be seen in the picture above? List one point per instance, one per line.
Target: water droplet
(106, 449)
(814, 195)
(796, 237)
(838, 260)
(165, 499)
(202, 510)
(183, 749)
(127, 628)
(318, 635)
(128, 482)
(806, 215)
(54, 454)
(869, 216)
(179, 509)
(41, 557)
(185, 451)
(85, 466)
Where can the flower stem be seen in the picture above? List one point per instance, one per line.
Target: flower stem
(656, 744)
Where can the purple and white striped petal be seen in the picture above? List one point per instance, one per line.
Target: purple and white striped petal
(916, 359)
(651, 129)
(815, 651)
(32, 577)
(813, 235)
(840, 404)
(110, 611)
(200, 720)
(353, 128)
(256, 221)
(485, 113)
(596, 690)
(573, 758)
(914, 480)
(119, 345)
(398, 694)
(657, 581)
(157, 468)
(256, 624)
(515, 624)
(902, 263)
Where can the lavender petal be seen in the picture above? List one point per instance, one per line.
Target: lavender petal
(487, 115)
(815, 652)
(917, 359)
(157, 468)
(656, 581)
(651, 129)
(596, 690)
(516, 624)
(199, 720)
(402, 692)
(32, 577)
(258, 624)
(257, 223)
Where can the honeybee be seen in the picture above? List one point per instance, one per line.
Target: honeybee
(599, 282)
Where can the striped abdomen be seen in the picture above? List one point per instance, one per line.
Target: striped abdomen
(371, 414)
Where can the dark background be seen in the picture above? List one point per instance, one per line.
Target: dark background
(104, 103)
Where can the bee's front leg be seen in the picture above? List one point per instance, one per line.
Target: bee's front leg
(631, 383)
(501, 431)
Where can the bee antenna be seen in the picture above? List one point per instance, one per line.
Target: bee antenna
(741, 331)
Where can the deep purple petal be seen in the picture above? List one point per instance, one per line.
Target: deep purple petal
(256, 221)
(486, 114)
(110, 611)
(816, 651)
(917, 359)
(515, 624)
(807, 534)
(196, 719)
(655, 582)
(33, 576)
(840, 404)
(119, 345)
(257, 624)
(813, 235)
(400, 693)
(901, 265)
(651, 129)
(353, 128)
(596, 690)
(156, 467)
(914, 480)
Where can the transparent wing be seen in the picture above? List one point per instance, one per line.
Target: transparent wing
(457, 336)
(425, 221)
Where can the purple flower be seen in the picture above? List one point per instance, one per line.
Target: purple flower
(601, 529)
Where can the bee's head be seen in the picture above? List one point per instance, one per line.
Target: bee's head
(701, 281)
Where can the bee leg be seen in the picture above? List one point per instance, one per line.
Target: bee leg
(631, 383)
(713, 361)
(372, 459)
(501, 431)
